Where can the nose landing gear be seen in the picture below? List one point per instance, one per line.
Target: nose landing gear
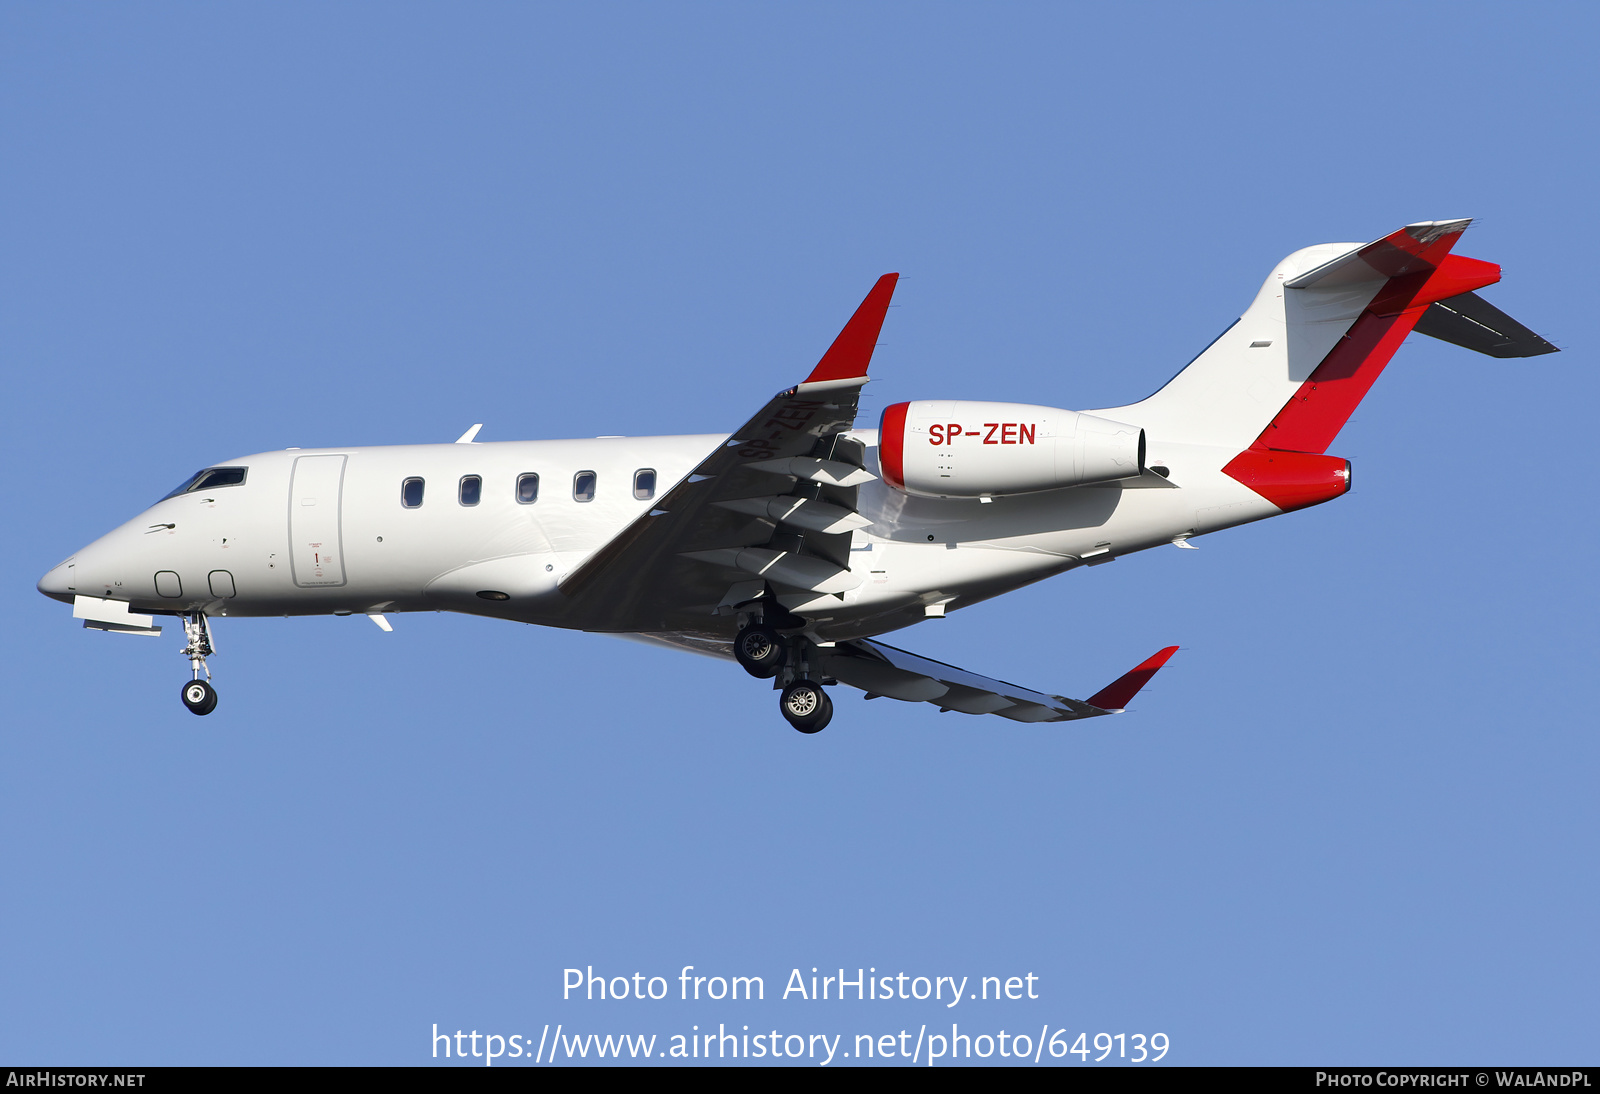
(198, 695)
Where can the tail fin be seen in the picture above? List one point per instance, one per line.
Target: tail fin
(1290, 372)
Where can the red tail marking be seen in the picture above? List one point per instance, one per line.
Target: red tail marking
(1118, 694)
(1400, 253)
(1290, 480)
(851, 352)
(1313, 416)
(1455, 275)
(891, 445)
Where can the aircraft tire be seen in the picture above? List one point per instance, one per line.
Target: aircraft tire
(200, 697)
(760, 650)
(806, 706)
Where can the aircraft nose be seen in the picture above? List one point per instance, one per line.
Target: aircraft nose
(58, 583)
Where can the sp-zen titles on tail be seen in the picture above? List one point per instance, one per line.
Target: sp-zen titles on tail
(792, 543)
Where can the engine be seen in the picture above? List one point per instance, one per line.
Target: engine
(943, 449)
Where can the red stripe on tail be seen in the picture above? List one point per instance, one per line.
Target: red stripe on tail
(1311, 419)
(1313, 416)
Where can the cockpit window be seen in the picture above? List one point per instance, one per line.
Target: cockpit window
(210, 479)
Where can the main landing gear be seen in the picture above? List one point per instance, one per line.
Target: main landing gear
(198, 695)
(761, 650)
(806, 706)
(767, 655)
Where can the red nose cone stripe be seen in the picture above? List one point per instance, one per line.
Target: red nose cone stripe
(1119, 693)
(1290, 480)
(892, 445)
(851, 352)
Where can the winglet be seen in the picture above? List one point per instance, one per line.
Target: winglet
(1118, 694)
(851, 352)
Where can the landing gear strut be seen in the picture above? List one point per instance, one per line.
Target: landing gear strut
(767, 654)
(198, 695)
(801, 698)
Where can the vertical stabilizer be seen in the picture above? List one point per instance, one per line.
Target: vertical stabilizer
(1289, 373)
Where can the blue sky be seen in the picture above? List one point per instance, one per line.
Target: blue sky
(1353, 821)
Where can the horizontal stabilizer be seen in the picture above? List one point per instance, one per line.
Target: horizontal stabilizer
(1471, 322)
(1416, 248)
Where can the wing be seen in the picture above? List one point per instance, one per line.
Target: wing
(878, 670)
(771, 510)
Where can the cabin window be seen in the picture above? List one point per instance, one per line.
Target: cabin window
(411, 493)
(644, 483)
(527, 488)
(210, 479)
(471, 489)
(583, 486)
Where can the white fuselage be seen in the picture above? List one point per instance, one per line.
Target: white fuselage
(306, 535)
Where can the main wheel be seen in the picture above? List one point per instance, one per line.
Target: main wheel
(759, 650)
(806, 705)
(200, 697)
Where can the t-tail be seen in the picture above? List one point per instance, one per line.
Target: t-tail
(1279, 384)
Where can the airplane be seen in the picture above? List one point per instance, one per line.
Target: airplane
(792, 543)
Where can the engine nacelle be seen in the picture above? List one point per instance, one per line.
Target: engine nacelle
(943, 449)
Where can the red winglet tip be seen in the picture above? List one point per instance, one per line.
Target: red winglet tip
(851, 352)
(1120, 692)
(1161, 657)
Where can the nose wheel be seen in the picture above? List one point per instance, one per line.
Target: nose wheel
(198, 695)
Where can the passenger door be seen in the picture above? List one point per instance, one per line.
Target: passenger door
(316, 552)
